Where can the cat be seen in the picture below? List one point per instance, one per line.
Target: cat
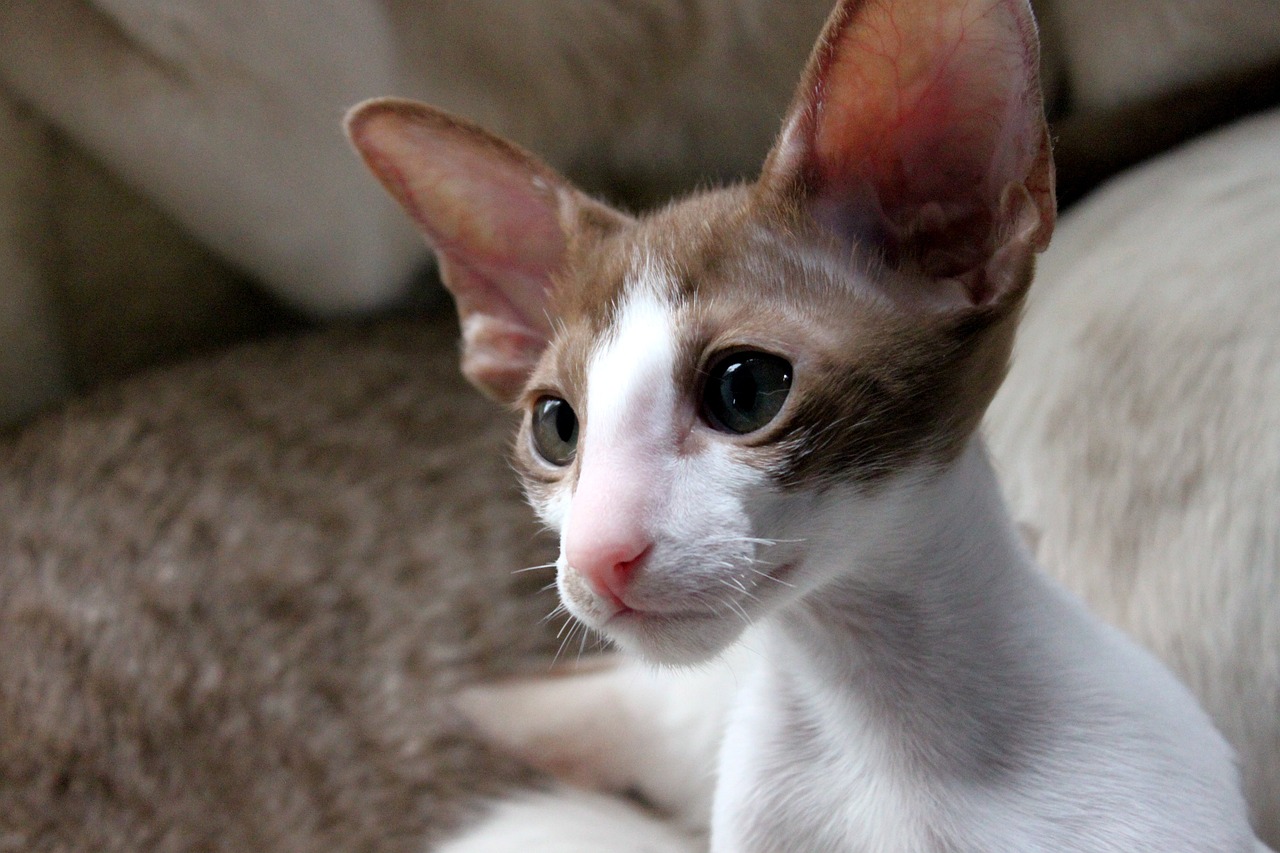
(752, 418)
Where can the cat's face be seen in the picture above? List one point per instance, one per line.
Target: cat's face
(720, 410)
(726, 401)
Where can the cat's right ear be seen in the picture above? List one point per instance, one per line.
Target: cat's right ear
(919, 130)
(499, 219)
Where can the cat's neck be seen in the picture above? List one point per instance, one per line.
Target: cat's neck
(933, 642)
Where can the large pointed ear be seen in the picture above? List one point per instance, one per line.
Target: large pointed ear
(919, 129)
(499, 219)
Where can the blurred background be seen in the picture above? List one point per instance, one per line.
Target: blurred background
(173, 177)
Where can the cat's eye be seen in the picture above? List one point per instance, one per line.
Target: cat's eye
(555, 431)
(744, 391)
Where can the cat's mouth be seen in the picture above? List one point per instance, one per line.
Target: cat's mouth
(632, 613)
(657, 618)
(688, 628)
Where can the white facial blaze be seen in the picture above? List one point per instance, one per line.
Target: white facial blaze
(631, 396)
(643, 485)
(628, 435)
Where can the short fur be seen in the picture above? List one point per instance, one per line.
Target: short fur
(262, 435)
(918, 685)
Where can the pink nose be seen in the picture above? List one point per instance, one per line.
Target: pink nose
(608, 566)
(609, 531)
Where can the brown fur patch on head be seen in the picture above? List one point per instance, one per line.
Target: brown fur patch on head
(884, 378)
(584, 297)
(902, 395)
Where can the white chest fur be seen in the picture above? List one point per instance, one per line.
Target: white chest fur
(1028, 725)
(757, 407)
(949, 699)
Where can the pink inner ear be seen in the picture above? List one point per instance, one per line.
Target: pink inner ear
(495, 218)
(918, 116)
(492, 213)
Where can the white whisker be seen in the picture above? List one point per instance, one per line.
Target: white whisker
(565, 641)
(559, 608)
(768, 576)
(534, 568)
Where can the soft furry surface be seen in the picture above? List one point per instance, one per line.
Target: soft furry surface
(234, 594)
(1138, 428)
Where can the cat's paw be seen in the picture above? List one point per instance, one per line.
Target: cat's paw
(618, 727)
(570, 821)
(572, 723)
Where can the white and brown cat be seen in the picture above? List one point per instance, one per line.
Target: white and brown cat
(752, 418)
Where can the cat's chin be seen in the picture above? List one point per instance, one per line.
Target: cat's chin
(676, 637)
(659, 636)
(673, 639)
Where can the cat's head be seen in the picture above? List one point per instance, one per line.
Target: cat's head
(719, 395)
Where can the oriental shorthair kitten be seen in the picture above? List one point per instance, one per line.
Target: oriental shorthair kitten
(752, 418)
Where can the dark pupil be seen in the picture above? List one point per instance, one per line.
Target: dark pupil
(746, 391)
(555, 430)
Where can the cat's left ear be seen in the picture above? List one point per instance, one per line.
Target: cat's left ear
(919, 129)
(500, 220)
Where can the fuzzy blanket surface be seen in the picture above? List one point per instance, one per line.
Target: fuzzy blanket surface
(235, 595)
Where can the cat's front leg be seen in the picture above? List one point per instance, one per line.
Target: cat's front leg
(568, 820)
(621, 727)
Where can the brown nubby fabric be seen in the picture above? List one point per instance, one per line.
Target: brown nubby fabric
(235, 595)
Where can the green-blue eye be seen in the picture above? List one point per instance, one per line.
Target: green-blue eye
(555, 431)
(745, 391)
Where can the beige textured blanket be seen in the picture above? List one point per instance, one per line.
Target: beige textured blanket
(234, 595)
